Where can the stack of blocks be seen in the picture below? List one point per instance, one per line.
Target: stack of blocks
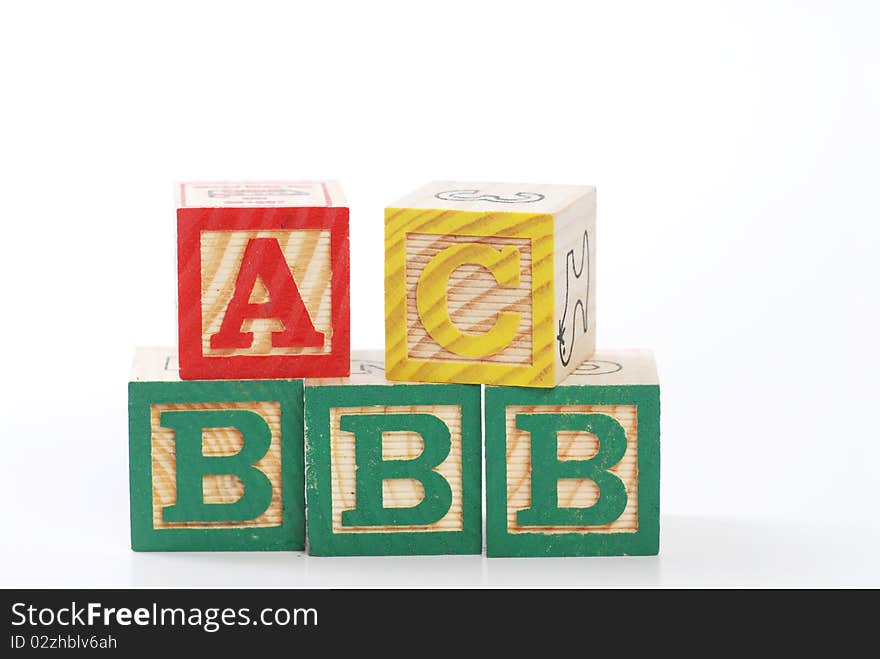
(268, 413)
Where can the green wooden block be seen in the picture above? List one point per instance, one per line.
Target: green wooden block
(392, 468)
(214, 465)
(575, 470)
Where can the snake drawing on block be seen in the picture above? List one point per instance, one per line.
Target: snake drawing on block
(577, 298)
(477, 195)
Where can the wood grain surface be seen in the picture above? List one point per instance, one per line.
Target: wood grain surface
(474, 302)
(399, 493)
(474, 299)
(572, 493)
(307, 251)
(215, 441)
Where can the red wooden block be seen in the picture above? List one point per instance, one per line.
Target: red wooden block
(263, 280)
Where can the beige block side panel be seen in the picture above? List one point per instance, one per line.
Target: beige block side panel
(574, 259)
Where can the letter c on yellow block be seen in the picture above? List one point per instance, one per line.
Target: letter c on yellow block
(432, 302)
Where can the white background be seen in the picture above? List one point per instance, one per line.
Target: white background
(734, 146)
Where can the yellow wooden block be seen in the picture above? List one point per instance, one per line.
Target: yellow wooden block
(490, 283)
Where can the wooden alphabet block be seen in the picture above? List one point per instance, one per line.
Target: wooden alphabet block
(263, 280)
(575, 470)
(490, 283)
(214, 465)
(392, 468)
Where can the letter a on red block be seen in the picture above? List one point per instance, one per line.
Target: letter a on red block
(264, 260)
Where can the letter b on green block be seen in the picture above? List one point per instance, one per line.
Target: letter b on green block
(348, 476)
(373, 470)
(192, 465)
(269, 513)
(547, 469)
(534, 458)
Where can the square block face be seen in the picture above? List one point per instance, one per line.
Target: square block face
(396, 445)
(263, 292)
(216, 488)
(469, 297)
(216, 466)
(307, 251)
(393, 469)
(473, 300)
(571, 445)
(573, 471)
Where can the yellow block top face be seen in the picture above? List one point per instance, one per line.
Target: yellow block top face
(485, 196)
(469, 296)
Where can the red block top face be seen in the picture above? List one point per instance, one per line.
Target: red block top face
(266, 194)
(263, 291)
